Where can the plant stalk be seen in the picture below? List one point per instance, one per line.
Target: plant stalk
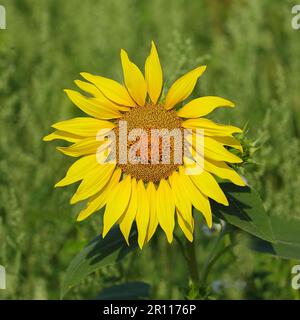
(192, 263)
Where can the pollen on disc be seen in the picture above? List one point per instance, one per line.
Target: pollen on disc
(149, 118)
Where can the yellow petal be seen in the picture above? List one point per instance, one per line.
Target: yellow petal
(186, 228)
(153, 74)
(85, 127)
(222, 170)
(202, 106)
(99, 96)
(198, 199)
(165, 209)
(93, 106)
(130, 213)
(134, 79)
(213, 150)
(83, 147)
(99, 200)
(111, 89)
(206, 183)
(183, 87)
(93, 182)
(62, 135)
(210, 128)
(78, 170)
(230, 142)
(142, 215)
(114, 209)
(89, 88)
(153, 222)
(182, 201)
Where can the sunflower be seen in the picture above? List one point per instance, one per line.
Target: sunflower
(150, 194)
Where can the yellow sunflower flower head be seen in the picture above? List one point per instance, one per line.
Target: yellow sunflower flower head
(131, 185)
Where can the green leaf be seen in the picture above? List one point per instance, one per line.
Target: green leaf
(97, 254)
(245, 211)
(286, 232)
(277, 235)
(126, 291)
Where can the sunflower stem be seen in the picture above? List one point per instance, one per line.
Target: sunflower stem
(191, 259)
(215, 254)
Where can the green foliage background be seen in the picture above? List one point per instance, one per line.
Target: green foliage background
(253, 58)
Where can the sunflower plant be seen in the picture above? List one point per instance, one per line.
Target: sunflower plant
(136, 197)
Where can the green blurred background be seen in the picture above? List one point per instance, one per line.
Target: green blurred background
(253, 58)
